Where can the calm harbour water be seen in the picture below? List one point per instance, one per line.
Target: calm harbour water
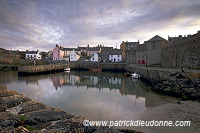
(96, 95)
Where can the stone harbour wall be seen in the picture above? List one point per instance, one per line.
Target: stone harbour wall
(181, 84)
(104, 66)
(40, 69)
(183, 53)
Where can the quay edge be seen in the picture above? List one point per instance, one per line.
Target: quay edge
(179, 83)
(40, 69)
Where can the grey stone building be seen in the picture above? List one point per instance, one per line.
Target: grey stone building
(154, 47)
(129, 45)
(130, 56)
(183, 53)
(171, 40)
(141, 51)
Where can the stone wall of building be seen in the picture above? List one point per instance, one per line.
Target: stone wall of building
(130, 56)
(154, 51)
(182, 53)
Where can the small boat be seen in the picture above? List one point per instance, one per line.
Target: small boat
(135, 76)
(67, 69)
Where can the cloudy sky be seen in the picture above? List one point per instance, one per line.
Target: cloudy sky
(40, 24)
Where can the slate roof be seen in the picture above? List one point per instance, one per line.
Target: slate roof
(131, 43)
(31, 52)
(70, 49)
(105, 53)
(106, 48)
(81, 47)
(93, 49)
(116, 52)
(157, 38)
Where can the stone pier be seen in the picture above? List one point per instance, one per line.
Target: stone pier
(40, 69)
(180, 83)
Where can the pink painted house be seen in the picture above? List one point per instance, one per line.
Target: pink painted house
(58, 53)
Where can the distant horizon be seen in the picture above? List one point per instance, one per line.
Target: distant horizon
(27, 24)
(118, 46)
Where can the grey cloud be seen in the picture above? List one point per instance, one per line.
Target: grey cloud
(158, 16)
(41, 24)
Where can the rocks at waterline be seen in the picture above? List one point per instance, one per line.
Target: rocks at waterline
(179, 85)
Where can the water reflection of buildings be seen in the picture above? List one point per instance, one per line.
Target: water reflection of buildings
(89, 80)
(126, 86)
(8, 76)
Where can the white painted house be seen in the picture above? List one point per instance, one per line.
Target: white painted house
(33, 55)
(94, 80)
(95, 57)
(74, 56)
(67, 52)
(115, 55)
(74, 79)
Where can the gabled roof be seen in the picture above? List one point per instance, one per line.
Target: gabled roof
(74, 52)
(131, 43)
(116, 52)
(93, 48)
(106, 48)
(96, 53)
(70, 49)
(81, 47)
(31, 52)
(105, 53)
(157, 38)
